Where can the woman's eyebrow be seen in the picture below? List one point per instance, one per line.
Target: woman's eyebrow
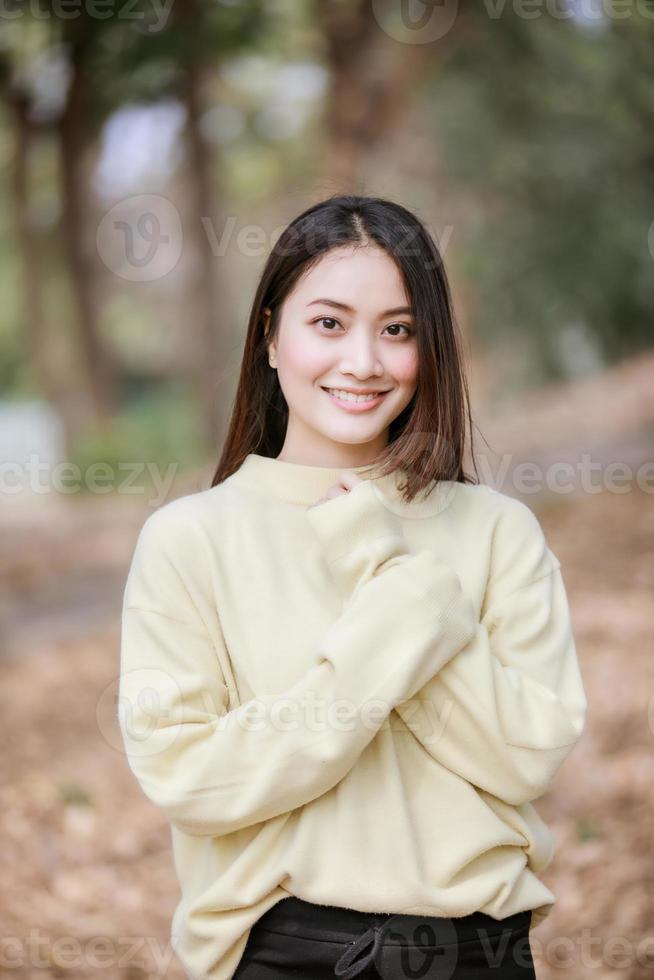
(348, 309)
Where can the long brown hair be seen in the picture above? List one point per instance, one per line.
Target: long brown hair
(428, 438)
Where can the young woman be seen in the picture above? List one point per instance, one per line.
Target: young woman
(347, 668)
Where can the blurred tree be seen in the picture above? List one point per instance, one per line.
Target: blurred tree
(52, 381)
(76, 132)
(182, 59)
(546, 123)
(373, 78)
(109, 63)
(202, 43)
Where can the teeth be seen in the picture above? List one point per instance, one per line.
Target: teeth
(348, 396)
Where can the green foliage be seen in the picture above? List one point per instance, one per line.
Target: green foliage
(547, 126)
(159, 430)
(144, 59)
(551, 126)
(72, 792)
(587, 829)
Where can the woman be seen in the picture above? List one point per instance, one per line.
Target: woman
(347, 668)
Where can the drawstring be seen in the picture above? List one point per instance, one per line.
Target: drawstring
(344, 967)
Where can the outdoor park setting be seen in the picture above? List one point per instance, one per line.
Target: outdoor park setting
(150, 154)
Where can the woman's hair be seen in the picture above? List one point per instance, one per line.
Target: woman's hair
(427, 439)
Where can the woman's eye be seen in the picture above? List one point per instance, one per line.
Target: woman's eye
(325, 319)
(407, 329)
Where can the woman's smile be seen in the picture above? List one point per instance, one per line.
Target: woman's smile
(352, 402)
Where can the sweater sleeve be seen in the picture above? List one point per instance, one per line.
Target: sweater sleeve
(506, 711)
(359, 536)
(214, 770)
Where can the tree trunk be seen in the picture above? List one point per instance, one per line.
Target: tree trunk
(373, 80)
(209, 331)
(56, 389)
(97, 360)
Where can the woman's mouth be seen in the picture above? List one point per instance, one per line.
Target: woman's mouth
(354, 403)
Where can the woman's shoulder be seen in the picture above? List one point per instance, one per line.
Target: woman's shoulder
(469, 501)
(180, 523)
(502, 508)
(519, 547)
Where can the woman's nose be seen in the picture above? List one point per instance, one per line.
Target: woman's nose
(361, 359)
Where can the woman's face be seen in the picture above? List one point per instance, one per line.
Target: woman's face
(346, 326)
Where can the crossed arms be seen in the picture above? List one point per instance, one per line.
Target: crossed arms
(505, 689)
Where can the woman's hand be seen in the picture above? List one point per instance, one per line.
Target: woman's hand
(348, 480)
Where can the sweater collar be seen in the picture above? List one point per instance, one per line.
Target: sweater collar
(300, 483)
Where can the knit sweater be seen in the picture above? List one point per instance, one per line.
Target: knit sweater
(356, 703)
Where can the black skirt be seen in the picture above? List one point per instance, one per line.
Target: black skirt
(300, 939)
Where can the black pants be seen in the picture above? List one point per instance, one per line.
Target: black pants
(299, 939)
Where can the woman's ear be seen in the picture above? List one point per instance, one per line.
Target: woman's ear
(266, 328)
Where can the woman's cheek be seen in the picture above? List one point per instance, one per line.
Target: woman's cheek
(404, 367)
(306, 359)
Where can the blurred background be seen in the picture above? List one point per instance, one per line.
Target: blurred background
(151, 151)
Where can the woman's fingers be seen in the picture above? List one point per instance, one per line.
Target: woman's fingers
(347, 481)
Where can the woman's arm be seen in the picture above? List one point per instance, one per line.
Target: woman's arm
(506, 711)
(215, 771)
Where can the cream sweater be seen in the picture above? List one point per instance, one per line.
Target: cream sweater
(355, 703)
